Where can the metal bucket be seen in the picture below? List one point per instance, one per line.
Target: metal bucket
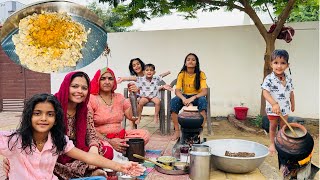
(200, 148)
(200, 162)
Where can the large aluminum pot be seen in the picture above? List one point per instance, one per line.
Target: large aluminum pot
(200, 162)
(236, 164)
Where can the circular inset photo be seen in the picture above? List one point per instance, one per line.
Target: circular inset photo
(53, 36)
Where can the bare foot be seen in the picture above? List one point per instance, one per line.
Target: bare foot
(156, 119)
(175, 135)
(99, 172)
(137, 121)
(272, 149)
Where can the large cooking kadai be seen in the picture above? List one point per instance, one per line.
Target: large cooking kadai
(93, 48)
(236, 164)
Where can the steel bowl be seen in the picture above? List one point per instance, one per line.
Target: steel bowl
(236, 164)
(96, 41)
(180, 165)
(167, 160)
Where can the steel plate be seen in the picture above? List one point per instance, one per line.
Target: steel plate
(93, 48)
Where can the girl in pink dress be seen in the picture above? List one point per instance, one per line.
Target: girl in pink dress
(73, 95)
(109, 108)
(33, 149)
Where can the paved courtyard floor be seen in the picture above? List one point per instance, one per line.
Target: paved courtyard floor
(222, 129)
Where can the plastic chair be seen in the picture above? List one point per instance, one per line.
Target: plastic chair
(162, 115)
(172, 84)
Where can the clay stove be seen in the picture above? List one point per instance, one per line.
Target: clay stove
(294, 153)
(190, 121)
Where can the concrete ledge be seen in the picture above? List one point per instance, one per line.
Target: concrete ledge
(269, 172)
(241, 126)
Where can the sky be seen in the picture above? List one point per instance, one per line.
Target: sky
(174, 21)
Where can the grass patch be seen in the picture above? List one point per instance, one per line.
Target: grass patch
(256, 122)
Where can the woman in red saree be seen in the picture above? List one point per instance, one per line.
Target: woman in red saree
(109, 108)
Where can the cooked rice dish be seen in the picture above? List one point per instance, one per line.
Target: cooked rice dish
(49, 41)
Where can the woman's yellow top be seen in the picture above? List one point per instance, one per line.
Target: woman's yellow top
(186, 83)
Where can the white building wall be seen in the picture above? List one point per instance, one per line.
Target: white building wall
(231, 57)
(7, 8)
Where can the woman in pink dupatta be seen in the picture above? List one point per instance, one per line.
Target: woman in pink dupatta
(108, 109)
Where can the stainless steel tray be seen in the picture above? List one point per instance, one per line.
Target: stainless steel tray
(93, 48)
(172, 172)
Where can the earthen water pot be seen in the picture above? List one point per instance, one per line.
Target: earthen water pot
(294, 148)
(190, 119)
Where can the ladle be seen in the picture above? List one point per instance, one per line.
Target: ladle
(163, 166)
(293, 132)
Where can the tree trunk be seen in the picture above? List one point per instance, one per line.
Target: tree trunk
(270, 46)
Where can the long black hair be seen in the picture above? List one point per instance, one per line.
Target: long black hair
(196, 70)
(131, 66)
(25, 130)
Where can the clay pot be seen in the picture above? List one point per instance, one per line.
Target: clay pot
(294, 148)
(190, 119)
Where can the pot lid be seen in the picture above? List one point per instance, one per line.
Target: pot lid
(190, 108)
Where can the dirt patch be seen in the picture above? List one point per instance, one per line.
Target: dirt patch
(223, 129)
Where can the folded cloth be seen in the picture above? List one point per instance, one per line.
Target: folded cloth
(120, 135)
(151, 154)
(107, 152)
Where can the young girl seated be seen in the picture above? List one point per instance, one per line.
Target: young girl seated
(34, 147)
(191, 88)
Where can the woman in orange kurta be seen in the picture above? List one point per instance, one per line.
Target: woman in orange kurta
(108, 109)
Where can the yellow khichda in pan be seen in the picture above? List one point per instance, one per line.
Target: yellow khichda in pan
(49, 41)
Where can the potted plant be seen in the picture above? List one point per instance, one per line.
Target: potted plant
(241, 112)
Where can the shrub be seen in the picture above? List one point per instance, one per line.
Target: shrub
(257, 122)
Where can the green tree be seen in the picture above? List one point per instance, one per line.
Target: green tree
(111, 20)
(308, 11)
(147, 9)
